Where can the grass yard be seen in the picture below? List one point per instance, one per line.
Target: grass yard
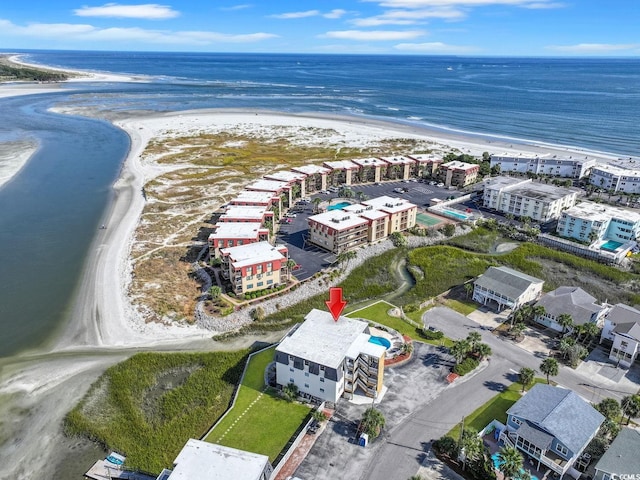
(494, 409)
(377, 312)
(465, 307)
(260, 420)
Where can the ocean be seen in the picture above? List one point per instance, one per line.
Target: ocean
(50, 211)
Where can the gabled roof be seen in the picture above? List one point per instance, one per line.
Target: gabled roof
(571, 300)
(622, 457)
(560, 412)
(627, 320)
(506, 281)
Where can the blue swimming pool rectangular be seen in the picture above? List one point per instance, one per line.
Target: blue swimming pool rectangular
(338, 206)
(458, 215)
(610, 246)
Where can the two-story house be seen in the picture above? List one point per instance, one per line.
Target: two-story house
(573, 301)
(552, 426)
(622, 328)
(505, 287)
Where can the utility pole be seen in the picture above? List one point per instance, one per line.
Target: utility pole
(460, 440)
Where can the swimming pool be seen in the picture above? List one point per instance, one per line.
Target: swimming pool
(611, 246)
(338, 206)
(458, 215)
(497, 463)
(380, 341)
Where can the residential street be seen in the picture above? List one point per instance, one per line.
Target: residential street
(405, 445)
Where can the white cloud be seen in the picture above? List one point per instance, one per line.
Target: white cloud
(587, 48)
(89, 33)
(374, 35)
(435, 47)
(544, 5)
(408, 17)
(463, 3)
(335, 13)
(149, 11)
(290, 15)
(233, 8)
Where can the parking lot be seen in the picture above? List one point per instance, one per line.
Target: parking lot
(312, 259)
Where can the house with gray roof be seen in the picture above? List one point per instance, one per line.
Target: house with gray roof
(504, 287)
(622, 329)
(572, 301)
(621, 458)
(552, 426)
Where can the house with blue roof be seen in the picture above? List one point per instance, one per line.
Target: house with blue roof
(551, 426)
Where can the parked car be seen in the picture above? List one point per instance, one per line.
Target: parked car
(441, 184)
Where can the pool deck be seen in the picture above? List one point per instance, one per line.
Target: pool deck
(529, 464)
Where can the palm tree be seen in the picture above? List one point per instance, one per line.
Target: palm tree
(482, 350)
(518, 329)
(549, 367)
(459, 350)
(526, 376)
(474, 339)
(215, 292)
(565, 321)
(316, 201)
(610, 408)
(590, 330)
(630, 407)
(525, 475)
(511, 461)
(372, 422)
(538, 311)
(565, 346)
(471, 446)
(468, 288)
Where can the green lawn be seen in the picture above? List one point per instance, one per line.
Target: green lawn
(465, 307)
(494, 409)
(377, 312)
(260, 420)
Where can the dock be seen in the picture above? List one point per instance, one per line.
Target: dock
(103, 470)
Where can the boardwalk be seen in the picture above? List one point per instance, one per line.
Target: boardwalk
(103, 470)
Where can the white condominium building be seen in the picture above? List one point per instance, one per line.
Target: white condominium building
(619, 176)
(524, 198)
(570, 167)
(326, 359)
(606, 222)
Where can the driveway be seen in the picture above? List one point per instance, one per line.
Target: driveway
(410, 387)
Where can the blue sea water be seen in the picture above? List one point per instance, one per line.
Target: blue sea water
(592, 103)
(50, 211)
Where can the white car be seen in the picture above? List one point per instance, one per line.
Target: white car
(441, 184)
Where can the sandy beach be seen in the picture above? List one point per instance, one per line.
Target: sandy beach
(39, 387)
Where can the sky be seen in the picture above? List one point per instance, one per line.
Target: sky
(426, 27)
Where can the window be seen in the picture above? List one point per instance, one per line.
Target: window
(322, 379)
(260, 284)
(249, 271)
(291, 380)
(561, 449)
(517, 421)
(249, 286)
(322, 390)
(306, 385)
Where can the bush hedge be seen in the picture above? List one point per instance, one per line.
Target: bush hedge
(467, 365)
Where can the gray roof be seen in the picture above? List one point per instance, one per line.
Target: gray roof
(572, 300)
(623, 454)
(507, 281)
(322, 340)
(560, 412)
(535, 435)
(627, 320)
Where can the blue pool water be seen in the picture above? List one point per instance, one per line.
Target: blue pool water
(380, 341)
(611, 245)
(497, 463)
(338, 206)
(455, 214)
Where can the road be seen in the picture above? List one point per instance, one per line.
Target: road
(404, 447)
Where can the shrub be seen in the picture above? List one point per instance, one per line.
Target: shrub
(430, 334)
(446, 446)
(448, 230)
(467, 365)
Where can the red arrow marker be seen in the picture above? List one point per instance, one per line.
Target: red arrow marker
(335, 303)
